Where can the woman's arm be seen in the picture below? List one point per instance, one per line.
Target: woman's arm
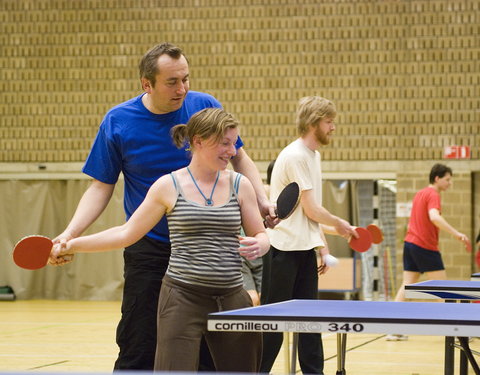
(159, 199)
(256, 243)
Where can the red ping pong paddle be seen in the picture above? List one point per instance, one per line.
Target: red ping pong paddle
(32, 252)
(363, 242)
(376, 233)
(288, 200)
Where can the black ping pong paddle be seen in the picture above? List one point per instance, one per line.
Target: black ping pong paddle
(288, 200)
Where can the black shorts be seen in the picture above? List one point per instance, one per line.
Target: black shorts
(418, 259)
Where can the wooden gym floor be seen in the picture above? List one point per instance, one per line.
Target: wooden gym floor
(79, 336)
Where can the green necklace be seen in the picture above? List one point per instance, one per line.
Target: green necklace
(208, 201)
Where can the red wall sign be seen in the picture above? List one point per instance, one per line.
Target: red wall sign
(456, 152)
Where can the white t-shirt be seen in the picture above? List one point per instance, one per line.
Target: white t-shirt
(297, 163)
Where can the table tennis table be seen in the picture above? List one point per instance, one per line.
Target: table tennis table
(455, 290)
(450, 291)
(344, 317)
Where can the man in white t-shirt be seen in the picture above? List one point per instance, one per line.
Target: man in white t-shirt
(290, 269)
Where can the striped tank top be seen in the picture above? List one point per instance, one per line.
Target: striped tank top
(205, 240)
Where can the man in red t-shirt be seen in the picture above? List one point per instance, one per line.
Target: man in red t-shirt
(420, 252)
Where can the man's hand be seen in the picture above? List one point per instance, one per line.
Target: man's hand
(464, 238)
(58, 255)
(267, 209)
(345, 230)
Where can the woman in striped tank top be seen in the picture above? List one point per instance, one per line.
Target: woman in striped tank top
(206, 205)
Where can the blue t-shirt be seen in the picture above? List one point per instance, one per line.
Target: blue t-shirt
(137, 142)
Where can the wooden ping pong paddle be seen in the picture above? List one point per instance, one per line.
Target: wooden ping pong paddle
(32, 252)
(376, 233)
(363, 242)
(288, 200)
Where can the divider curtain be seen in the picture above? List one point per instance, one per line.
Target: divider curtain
(45, 207)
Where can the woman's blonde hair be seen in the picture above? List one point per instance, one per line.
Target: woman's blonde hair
(207, 123)
(311, 110)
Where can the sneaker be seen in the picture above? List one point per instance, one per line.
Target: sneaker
(396, 337)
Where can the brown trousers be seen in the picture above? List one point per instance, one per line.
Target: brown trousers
(182, 320)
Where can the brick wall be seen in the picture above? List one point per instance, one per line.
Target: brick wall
(404, 74)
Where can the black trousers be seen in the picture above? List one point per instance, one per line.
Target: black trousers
(145, 265)
(291, 275)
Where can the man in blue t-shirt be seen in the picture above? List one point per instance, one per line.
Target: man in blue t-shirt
(134, 138)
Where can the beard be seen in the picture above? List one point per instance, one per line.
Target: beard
(322, 137)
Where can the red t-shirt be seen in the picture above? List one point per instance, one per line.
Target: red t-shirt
(421, 231)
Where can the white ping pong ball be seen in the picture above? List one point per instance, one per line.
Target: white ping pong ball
(330, 260)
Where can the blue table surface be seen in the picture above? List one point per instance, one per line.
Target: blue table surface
(364, 311)
(446, 284)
